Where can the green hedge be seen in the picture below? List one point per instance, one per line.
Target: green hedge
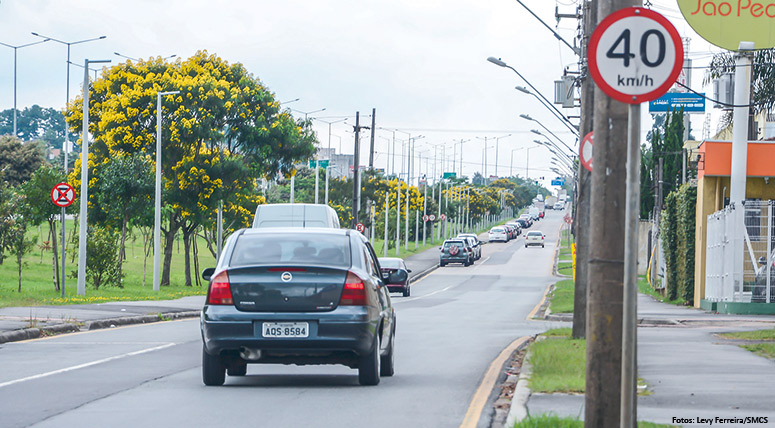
(677, 230)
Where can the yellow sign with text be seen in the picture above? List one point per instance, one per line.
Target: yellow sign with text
(726, 23)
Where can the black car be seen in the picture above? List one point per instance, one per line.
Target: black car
(456, 251)
(278, 296)
(523, 223)
(396, 274)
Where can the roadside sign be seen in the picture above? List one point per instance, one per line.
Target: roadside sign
(558, 182)
(360, 227)
(725, 25)
(432, 217)
(568, 219)
(690, 102)
(323, 163)
(62, 195)
(635, 55)
(425, 217)
(585, 151)
(449, 175)
(443, 217)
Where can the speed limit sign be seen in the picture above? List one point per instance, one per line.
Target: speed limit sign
(635, 55)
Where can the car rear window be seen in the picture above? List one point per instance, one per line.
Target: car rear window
(497, 230)
(455, 243)
(535, 234)
(303, 249)
(390, 264)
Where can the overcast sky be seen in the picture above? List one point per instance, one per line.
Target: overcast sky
(421, 63)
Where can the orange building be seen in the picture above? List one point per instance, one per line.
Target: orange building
(713, 186)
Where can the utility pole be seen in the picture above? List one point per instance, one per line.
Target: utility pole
(373, 130)
(606, 256)
(584, 188)
(356, 168)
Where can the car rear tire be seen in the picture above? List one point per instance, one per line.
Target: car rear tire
(542, 245)
(387, 366)
(525, 245)
(213, 370)
(407, 292)
(369, 365)
(442, 264)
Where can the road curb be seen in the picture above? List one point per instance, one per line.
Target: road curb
(424, 273)
(518, 408)
(35, 333)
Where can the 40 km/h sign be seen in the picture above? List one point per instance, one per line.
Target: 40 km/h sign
(635, 55)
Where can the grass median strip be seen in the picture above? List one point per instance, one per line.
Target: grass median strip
(559, 363)
(765, 339)
(561, 298)
(554, 421)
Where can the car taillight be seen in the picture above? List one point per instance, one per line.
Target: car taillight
(220, 290)
(354, 293)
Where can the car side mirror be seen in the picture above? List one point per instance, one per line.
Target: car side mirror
(385, 275)
(762, 260)
(208, 273)
(409, 270)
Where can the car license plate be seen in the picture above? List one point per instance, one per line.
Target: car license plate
(285, 329)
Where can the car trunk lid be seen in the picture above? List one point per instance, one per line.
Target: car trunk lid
(286, 289)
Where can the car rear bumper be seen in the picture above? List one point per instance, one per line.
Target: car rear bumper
(397, 287)
(461, 259)
(347, 328)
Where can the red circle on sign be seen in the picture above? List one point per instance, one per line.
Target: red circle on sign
(359, 227)
(594, 44)
(443, 217)
(585, 150)
(62, 195)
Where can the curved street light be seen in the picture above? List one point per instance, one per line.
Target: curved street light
(16, 48)
(552, 110)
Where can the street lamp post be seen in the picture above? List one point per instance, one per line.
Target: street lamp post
(16, 48)
(511, 164)
(497, 139)
(84, 179)
(553, 110)
(157, 200)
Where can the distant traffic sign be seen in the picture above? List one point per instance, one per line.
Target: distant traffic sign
(558, 182)
(635, 55)
(425, 217)
(443, 217)
(323, 163)
(585, 151)
(62, 195)
(432, 217)
(449, 175)
(360, 227)
(689, 102)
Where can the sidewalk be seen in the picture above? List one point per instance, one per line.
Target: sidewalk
(21, 323)
(690, 372)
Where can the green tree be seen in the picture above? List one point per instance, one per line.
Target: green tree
(762, 76)
(18, 160)
(126, 186)
(36, 123)
(16, 220)
(41, 209)
(103, 268)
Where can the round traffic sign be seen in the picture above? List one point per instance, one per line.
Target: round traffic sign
(432, 217)
(360, 227)
(443, 217)
(425, 217)
(635, 55)
(585, 151)
(62, 195)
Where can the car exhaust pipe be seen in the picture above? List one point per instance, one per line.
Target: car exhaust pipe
(250, 354)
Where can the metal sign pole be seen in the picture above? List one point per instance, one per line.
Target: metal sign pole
(63, 249)
(630, 296)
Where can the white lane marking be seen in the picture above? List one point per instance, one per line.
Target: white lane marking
(83, 343)
(81, 366)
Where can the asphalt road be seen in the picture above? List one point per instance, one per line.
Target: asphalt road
(448, 333)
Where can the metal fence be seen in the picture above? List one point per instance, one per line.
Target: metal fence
(739, 265)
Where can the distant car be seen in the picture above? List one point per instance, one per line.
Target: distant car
(535, 237)
(523, 223)
(559, 206)
(477, 244)
(396, 275)
(541, 214)
(295, 215)
(498, 233)
(455, 251)
(516, 224)
(528, 218)
(277, 296)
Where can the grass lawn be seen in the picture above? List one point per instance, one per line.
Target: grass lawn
(565, 268)
(554, 421)
(766, 350)
(645, 288)
(559, 364)
(38, 285)
(561, 299)
(751, 335)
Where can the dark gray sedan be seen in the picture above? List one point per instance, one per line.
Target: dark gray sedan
(284, 297)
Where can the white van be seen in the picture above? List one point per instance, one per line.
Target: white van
(295, 215)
